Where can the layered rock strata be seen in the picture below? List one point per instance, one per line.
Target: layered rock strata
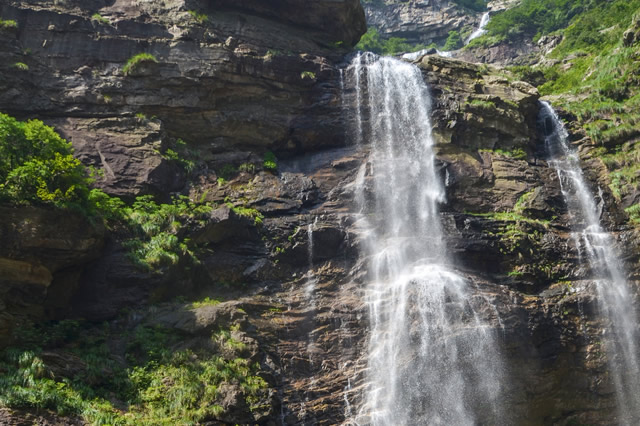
(233, 80)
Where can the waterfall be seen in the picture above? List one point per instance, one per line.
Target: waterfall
(310, 286)
(432, 357)
(597, 247)
(481, 29)
(412, 56)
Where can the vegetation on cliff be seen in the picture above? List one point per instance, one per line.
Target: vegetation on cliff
(372, 41)
(591, 71)
(475, 5)
(37, 167)
(110, 376)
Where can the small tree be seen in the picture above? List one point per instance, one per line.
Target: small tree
(37, 166)
(454, 41)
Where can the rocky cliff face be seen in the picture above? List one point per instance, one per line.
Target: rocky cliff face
(419, 21)
(233, 80)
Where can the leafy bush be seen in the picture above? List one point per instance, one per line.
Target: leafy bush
(270, 161)
(201, 18)
(535, 18)
(476, 5)
(36, 165)
(601, 75)
(8, 24)
(155, 382)
(155, 228)
(99, 18)
(135, 61)
(454, 41)
(184, 156)
(248, 212)
(371, 41)
(308, 75)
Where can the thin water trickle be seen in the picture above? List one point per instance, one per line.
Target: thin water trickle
(598, 248)
(310, 285)
(432, 356)
(481, 28)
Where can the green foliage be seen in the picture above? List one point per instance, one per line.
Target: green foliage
(634, 213)
(248, 212)
(454, 41)
(182, 154)
(372, 41)
(247, 168)
(201, 18)
(21, 66)
(522, 202)
(526, 73)
(483, 104)
(512, 217)
(535, 18)
(207, 301)
(624, 167)
(155, 229)
(136, 60)
(99, 18)
(270, 162)
(515, 153)
(8, 24)
(36, 166)
(157, 384)
(308, 75)
(598, 79)
(475, 5)
(227, 172)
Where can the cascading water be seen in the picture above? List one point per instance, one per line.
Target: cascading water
(614, 296)
(481, 28)
(432, 359)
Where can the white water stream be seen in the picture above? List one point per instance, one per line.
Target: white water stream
(481, 28)
(598, 248)
(432, 356)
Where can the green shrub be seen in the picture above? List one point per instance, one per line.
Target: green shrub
(516, 153)
(21, 66)
(155, 228)
(634, 213)
(136, 61)
(184, 156)
(454, 41)
(308, 75)
(207, 301)
(371, 41)
(270, 161)
(534, 18)
(155, 384)
(476, 5)
(201, 18)
(246, 212)
(8, 24)
(37, 166)
(99, 18)
(482, 104)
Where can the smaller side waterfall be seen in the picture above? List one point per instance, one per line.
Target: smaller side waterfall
(310, 286)
(481, 29)
(597, 247)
